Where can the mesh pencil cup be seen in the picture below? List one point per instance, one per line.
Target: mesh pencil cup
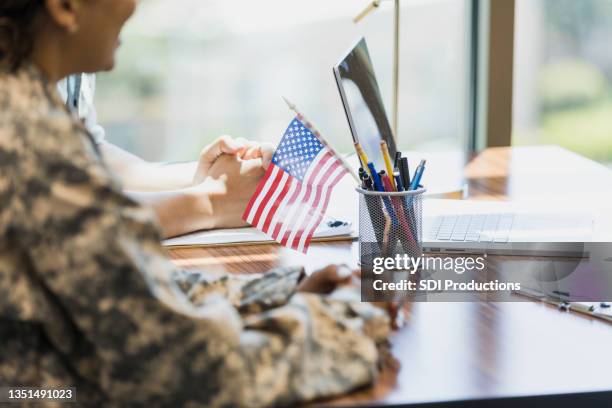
(390, 223)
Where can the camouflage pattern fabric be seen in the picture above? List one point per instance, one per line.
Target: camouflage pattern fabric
(89, 298)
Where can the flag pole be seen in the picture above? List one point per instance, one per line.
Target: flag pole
(318, 134)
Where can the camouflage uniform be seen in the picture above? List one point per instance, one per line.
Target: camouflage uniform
(88, 297)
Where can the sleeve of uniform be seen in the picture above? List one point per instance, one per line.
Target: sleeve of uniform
(247, 293)
(100, 257)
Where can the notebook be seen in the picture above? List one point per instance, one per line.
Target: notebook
(330, 229)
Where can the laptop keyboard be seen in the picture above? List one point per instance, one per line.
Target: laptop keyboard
(471, 228)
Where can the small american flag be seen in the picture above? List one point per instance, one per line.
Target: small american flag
(291, 199)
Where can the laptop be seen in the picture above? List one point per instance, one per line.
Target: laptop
(363, 104)
(457, 225)
(506, 228)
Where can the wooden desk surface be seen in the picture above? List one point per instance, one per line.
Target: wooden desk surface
(461, 351)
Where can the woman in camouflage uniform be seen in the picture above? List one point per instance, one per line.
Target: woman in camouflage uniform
(88, 298)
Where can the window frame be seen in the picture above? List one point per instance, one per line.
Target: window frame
(491, 31)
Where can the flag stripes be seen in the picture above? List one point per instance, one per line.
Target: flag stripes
(292, 198)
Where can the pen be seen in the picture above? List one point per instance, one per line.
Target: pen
(398, 159)
(382, 174)
(398, 181)
(389, 203)
(405, 172)
(362, 178)
(388, 233)
(394, 213)
(385, 152)
(418, 173)
(378, 185)
(363, 158)
(377, 182)
(386, 181)
(406, 203)
(406, 237)
(368, 182)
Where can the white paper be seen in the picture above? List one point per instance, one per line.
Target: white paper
(252, 235)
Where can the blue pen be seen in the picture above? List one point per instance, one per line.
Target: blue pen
(398, 182)
(378, 186)
(377, 182)
(416, 180)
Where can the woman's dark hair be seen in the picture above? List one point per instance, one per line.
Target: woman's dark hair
(16, 30)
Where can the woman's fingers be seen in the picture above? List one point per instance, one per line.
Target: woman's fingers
(240, 147)
(208, 155)
(243, 148)
(326, 280)
(267, 152)
(255, 150)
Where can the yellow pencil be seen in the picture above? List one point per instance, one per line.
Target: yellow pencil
(362, 157)
(385, 153)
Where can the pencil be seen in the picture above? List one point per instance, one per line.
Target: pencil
(362, 157)
(385, 152)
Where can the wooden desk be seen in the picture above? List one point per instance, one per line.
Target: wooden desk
(465, 351)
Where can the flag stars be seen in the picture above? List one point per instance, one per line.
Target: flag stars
(297, 149)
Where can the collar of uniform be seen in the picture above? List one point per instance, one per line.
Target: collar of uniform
(36, 77)
(36, 92)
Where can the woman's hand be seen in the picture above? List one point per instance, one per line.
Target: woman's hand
(330, 278)
(255, 150)
(230, 184)
(210, 154)
(228, 173)
(326, 280)
(226, 145)
(395, 309)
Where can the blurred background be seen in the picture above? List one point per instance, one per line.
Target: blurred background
(563, 75)
(190, 70)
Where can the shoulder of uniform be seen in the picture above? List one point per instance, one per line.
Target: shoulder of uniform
(32, 115)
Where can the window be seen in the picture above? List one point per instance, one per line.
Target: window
(563, 75)
(190, 70)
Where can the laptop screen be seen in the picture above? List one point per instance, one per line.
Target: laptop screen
(363, 103)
